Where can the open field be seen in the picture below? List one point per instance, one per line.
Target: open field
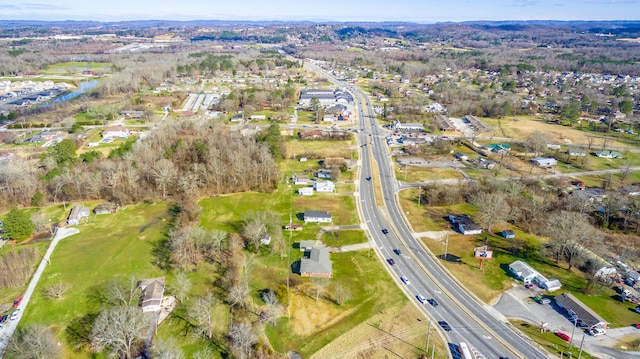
(319, 150)
(343, 237)
(421, 174)
(313, 324)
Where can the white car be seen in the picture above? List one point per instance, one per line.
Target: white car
(597, 331)
(421, 299)
(405, 280)
(15, 314)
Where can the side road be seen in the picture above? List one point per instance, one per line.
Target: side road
(10, 326)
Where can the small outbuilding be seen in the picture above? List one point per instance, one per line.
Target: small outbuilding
(508, 233)
(77, 213)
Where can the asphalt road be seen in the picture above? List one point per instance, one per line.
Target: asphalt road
(470, 321)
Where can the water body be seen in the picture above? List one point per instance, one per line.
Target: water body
(83, 87)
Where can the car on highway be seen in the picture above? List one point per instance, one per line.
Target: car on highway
(421, 299)
(368, 178)
(17, 301)
(563, 336)
(444, 325)
(405, 280)
(391, 261)
(597, 332)
(433, 302)
(397, 251)
(15, 314)
(385, 231)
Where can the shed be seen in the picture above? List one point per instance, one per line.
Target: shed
(508, 233)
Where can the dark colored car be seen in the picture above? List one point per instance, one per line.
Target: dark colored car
(444, 325)
(368, 178)
(17, 301)
(433, 302)
(563, 336)
(397, 251)
(4, 318)
(385, 231)
(391, 261)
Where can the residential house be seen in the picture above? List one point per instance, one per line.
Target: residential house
(303, 159)
(318, 264)
(132, 113)
(464, 224)
(508, 233)
(528, 275)
(579, 311)
(499, 147)
(115, 132)
(317, 216)
(576, 152)
(461, 156)
(300, 179)
(152, 293)
(326, 174)
(305, 191)
(544, 161)
(105, 208)
(608, 154)
(265, 239)
(327, 186)
(77, 213)
(257, 117)
(553, 146)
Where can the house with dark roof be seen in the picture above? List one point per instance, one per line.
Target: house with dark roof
(152, 293)
(317, 216)
(317, 264)
(464, 224)
(580, 312)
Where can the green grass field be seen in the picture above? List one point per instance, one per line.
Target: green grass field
(343, 238)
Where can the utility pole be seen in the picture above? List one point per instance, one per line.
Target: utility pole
(446, 246)
(575, 323)
(582, 342)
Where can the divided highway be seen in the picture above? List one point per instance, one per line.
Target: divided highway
(469, 320)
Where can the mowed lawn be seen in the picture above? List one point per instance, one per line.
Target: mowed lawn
(110, 246)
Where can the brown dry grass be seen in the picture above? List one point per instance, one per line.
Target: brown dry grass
(399, 331)
(375, 177)
(521, 127)
(309, 316)
(319, 149)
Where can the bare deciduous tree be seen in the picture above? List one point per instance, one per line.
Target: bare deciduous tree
(238, 294)
(491, 208)
(242, 338)
(166, 350)
(201, 311)
(341, 294)
(119, 330)
(34, 342)
(180, 286)
(570, 233)
(56, 290)
(121, 292)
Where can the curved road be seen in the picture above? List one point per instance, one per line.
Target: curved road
(471, 321)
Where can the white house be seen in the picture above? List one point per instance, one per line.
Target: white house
(305, 191)
(528, 275)
(327, 186)
(152, 293)
(545, 161)
(608, 154)
(300, 179)
(326, 174)
(317, 216)
(115, 132)
(77, 213)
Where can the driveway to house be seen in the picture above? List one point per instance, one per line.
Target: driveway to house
(516, 303)
(11, 325)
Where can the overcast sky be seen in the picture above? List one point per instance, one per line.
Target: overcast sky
(425, 11)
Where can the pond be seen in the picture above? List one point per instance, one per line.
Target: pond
(83, 87)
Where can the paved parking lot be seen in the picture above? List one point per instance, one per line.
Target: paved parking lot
(516, 303)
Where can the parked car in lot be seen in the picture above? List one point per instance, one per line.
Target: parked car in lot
(636, 325)
(597, 332)
(397, 251)
(421, 299)
(563, 336)
(433, 302)
(4, 318)
(391, 261)
(405, 280)
(15, 314)
(444, 325)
